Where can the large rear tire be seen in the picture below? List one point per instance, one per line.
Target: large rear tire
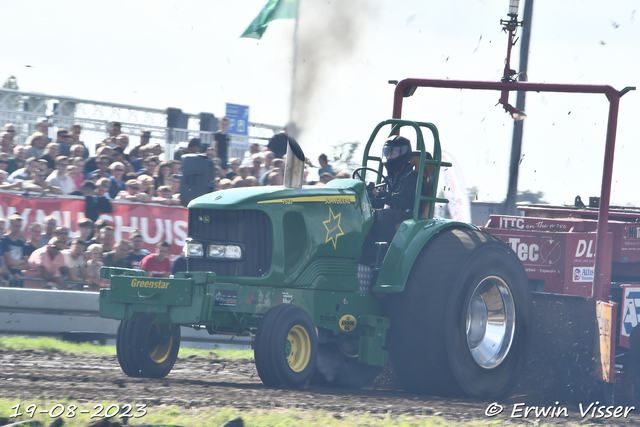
(146, 348)
(463, 323)
(286, 347)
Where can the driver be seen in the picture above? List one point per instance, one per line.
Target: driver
(393, 203)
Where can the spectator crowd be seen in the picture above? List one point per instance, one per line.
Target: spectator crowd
(260, 165)
(43, 256)
(64, 165)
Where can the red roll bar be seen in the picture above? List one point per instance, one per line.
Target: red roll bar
(406, 87)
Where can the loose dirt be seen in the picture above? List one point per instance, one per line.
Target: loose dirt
(32, 376)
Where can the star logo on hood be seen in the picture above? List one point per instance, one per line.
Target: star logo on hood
(333, 228)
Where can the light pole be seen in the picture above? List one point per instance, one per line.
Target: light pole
(518, 112)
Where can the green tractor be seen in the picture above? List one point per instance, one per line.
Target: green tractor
(448, 303)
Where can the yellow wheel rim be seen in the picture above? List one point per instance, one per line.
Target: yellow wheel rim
(298, 348)
(160, 342)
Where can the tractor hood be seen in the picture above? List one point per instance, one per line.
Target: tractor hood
(342, 191)
(297, 237)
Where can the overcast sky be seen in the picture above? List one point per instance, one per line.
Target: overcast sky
(188, 55)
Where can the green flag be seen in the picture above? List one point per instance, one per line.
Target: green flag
(275, 9)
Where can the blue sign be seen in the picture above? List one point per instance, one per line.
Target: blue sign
(238, 116)
(631, 312)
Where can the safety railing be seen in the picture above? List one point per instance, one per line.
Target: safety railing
(25, 109)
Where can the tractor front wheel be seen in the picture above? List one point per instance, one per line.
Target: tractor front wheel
(124, 349)
(286, 347)
(146, 348)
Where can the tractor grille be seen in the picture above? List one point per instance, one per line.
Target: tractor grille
(248, 228)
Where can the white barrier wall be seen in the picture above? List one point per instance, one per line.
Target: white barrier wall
(47, 312)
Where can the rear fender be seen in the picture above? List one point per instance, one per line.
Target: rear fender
(404, 249)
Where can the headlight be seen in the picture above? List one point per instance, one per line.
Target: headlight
(225, 251)
(233, 252)
(216, 251)
(194, 250)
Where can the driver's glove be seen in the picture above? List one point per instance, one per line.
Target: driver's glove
(370, 187)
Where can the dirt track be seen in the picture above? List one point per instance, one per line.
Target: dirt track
(37, 377)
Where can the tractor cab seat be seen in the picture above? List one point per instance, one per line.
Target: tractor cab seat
(427, 180)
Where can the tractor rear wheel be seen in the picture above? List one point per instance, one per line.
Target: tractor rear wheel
(146, 348)
(286, 347)
(463, 323)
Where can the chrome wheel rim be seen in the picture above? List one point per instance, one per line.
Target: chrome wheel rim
(491, 320)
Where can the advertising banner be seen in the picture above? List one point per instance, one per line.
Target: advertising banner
(156, 222)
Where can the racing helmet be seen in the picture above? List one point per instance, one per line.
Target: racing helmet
(396, 151)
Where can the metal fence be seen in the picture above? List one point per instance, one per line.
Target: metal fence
(25, 109)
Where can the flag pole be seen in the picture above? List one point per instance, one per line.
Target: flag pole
(294, 65)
